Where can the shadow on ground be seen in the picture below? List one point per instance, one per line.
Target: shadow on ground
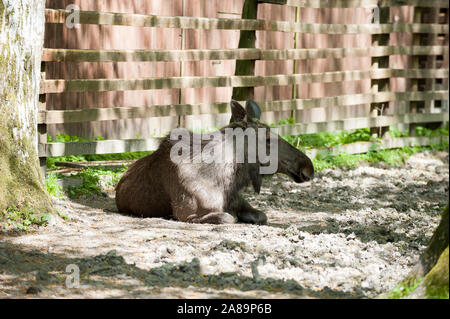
(38, 271)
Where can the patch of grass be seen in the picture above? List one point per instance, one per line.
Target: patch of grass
(63, 215)
(64, 138)
(53, 188)
(330, 139)
(325, 139)
(392, 157)
(92, 179)
(23, 219)
(402, 290)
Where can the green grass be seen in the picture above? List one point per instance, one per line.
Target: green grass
(401, 290)
(91, 176)
(392, 157)
(64, 138)
(63, 215)
(53, 188)
(332, 139)
(91, 180)
(23, 219)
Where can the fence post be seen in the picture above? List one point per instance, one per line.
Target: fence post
(295, 70)
(182, 119)
(414, 106)
(247, 39)
(379, 15)
(444, 63)
(42, 128)
(431, 16)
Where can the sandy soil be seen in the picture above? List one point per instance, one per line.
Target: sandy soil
(347, 234)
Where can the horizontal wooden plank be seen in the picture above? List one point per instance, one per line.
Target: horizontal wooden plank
(74, 55)
(364, 3)
(120, 146)
(363, 122)
(139, 20)
(102, 85)
(390, 143)
(77, 55)
(97, 147)
(121, 113)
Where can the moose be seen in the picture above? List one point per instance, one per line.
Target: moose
(208, 191)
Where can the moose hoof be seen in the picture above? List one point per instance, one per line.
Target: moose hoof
(256, 217)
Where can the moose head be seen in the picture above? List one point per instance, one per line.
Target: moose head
(288, 160)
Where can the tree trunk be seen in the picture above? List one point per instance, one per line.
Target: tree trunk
(432, 269)
(247, 39)
(438, 243)
(21, 39)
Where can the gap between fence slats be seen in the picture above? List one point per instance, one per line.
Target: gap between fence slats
(102, 85)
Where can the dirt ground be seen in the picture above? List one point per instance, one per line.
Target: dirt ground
(350, 233)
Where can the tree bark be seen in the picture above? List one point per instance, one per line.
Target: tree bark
(247, 39)
(438, 243)
(432, 268)
(21, 40)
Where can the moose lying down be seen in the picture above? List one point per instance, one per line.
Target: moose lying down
(202, 184)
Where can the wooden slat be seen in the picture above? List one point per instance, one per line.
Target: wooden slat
(77, 55)
(97, 147)
(363, 3)
(363, 147)
(102, 85)
(121, 113)
(120, 146)
(139, 20)
(363, 122)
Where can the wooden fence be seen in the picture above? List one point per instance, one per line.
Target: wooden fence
(424, 101)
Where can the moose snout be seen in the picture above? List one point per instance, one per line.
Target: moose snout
(307, 172)
(306, 175)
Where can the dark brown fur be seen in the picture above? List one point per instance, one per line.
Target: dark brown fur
(155, 186)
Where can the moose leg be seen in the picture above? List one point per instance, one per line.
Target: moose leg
(212, 218)
(247, 214)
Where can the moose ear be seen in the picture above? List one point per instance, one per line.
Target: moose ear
(253, 110)
(237, 112)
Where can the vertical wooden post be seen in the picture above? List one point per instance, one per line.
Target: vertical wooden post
(432, 16)
(296, 43)
(379, 85)
(415, 64)
(42, 128)
(181, 119)
(247, 39)
(444, 40)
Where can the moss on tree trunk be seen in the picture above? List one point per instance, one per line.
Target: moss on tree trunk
(438, 243)
(21, 38)
(432, 270)
(436, 281)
